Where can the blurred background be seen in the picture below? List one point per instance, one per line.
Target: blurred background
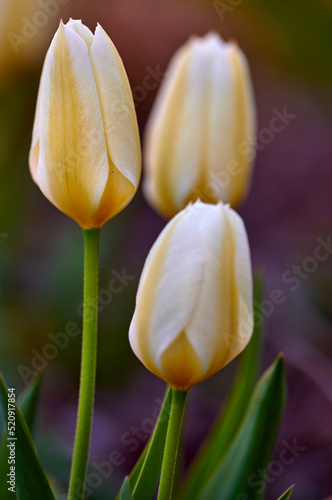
(288, 215)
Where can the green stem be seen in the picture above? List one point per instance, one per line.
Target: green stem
(173, 436)
(88, 366)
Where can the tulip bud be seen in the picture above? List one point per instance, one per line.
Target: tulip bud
(85, 153)
(194, 302)
(200, 129)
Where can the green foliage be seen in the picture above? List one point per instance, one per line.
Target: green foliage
(254, 442)
(125, 493)
(144, 477)
(224, 430)
(31, 480)
(287, 494)
(28, 400)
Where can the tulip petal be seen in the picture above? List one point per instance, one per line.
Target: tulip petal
(73, 166)
(35, 145)
(161, 136)
(213, 314)
(222, 124)
(188, 160)
(82, 30)
(181, 364)
(231, 125)
(168, 293)
(246, 125)
(122, 137)
(227, 278)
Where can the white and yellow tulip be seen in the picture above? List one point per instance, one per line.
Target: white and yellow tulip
(85, 153)
(200, 125)
(194, 303)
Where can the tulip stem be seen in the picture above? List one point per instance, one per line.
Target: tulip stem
(173, 437)
(88, 366)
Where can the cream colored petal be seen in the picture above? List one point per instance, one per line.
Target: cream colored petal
(117, 106)
(82, 30)
(118, 192)
(162, 131)
(223, 122)
(242, 264)
(213, 314)
(246, 125)
(181, 364)
(73, 168)
(221, 306)
(231, 125)
(35, 147)
(188, 160)
(168, 292)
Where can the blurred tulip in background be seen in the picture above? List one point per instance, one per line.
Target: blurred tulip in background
(201, 125)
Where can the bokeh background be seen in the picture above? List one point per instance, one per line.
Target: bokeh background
(288, 45)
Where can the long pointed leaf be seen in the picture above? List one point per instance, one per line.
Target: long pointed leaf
(227, 423)
(144, 477)
(252, 448)
(125, 493)
(28, 400)
(287, 494)
(31, 480)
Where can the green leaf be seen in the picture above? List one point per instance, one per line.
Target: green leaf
(27, 403)
(224, 430)
(4, 469)
(145, 475)
(238, 473)
(28, 400)
(125, 493)
(287, 494)
(31, 480)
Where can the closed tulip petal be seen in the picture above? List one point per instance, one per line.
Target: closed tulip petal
(228, 308)
(188, 162)
(35, 146)
(246, 113)
(168, 294)
(122, 138)
(73, 168)
(163, 129)
(222, 121)
(213, 313)
(82, 30)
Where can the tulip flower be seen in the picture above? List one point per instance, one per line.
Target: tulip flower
(194, 303)
(196, 142)
(85, 157)
(85, 153)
